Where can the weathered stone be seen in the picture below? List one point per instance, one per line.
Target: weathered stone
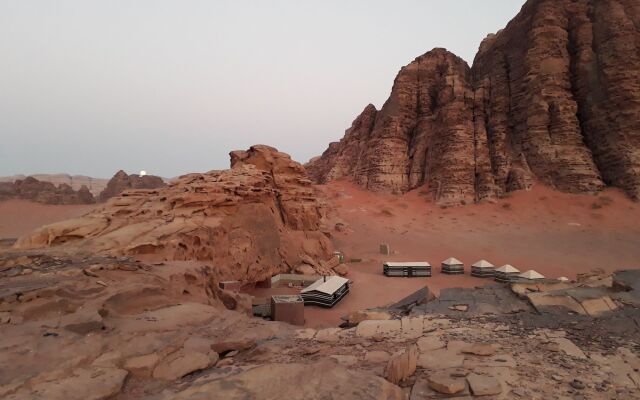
(371, 328)
(142, 366)
(224, 346)
(445, 384)
(568, 347)
(317, 381)
(346, 360)
(440, 359)
(328, 335)
(429, 343)
(480, 349)
(483, 385)
(376, 357)
(412, 327)
(179, 364)
(84, 384)
(402, 365)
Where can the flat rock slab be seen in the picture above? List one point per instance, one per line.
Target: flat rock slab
(483, 385)
(318, 381)
(568, 347)
(445, 384)
(83, 384)
(440, 359)
(179, 364)
(371, 328)
(430, 343)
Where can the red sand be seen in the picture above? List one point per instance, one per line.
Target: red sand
(555, 233)
(18, 217)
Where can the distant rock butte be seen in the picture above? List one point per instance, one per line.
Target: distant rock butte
(554, 97)
(257, 219)
(95, 185)
(32, 189)
(121, 181)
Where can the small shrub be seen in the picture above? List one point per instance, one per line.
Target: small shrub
(507, 206)
(386, 212)
(596, 206)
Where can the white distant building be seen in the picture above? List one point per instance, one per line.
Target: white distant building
(326, 291)
(452, 266)
(506, 273)
(483, 269)
(408, 269)
(531, 275)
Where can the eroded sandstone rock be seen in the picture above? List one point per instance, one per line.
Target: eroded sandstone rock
(553, 97)
(257, 219)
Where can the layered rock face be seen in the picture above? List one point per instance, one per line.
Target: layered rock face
(554, 97)
(95, 185)
(121, 181)
(44, 192)
(257, 219)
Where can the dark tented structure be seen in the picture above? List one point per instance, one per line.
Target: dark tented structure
(452, 266)
(326, 291)
(408, 269)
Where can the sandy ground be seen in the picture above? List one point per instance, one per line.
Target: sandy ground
(18, 217)
(557, 234)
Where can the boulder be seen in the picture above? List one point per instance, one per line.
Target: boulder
(402, 365)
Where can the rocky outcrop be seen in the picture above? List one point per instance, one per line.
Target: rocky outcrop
(44, 192)
(121, 181)
(95, 185)
(554, 97)
(257, 219)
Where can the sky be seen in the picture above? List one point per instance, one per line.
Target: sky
(89, 87)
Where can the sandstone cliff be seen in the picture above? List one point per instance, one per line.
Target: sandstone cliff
(554, 97)
(252, 221)
(95, 185)
(121, 181)
(32, 189)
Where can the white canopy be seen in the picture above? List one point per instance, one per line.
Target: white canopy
(531, 274)
(483, 264)
(508, 269)
(327, 284)
(452, 261)
(563, 279)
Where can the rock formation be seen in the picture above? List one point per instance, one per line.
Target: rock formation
(554, 97)
(252, 221)
(32, 189)
(95, 185)
(121, 181)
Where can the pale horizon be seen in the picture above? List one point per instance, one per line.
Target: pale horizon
(93, 87)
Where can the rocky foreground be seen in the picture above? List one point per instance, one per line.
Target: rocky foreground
(116, 328)
(553, 97)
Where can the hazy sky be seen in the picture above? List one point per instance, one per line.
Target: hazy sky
(90, 87)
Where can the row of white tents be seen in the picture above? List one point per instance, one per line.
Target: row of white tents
(453, 266)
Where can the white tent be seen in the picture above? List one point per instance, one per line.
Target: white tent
(483, 264)
(452, 261)
(483, 269)
(508, 269)
(563, 279)
(531, 274)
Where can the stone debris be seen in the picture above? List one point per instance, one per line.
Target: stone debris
(402, 365)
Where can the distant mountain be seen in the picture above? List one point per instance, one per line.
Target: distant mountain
(554, 97)
(95, 185)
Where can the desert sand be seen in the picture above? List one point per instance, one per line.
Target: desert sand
(556, 234)
(19, 217)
